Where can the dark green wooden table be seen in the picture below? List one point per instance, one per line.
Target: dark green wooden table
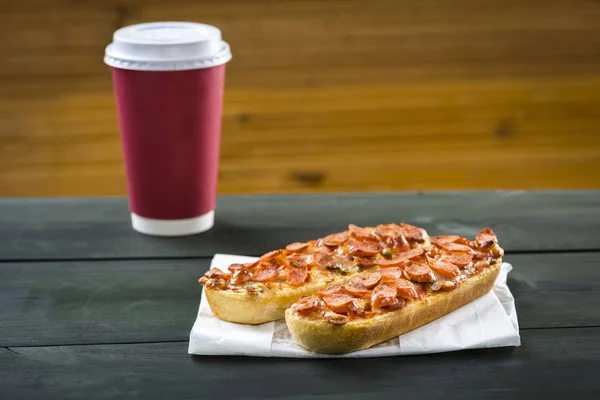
(91, 309)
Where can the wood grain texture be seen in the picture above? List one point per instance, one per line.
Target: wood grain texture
(342, 95)
(557, 363)
(99, 228)
(92, 302)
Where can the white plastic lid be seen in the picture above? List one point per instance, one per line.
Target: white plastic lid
(167, 46)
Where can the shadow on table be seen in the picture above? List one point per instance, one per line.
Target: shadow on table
(496, 355)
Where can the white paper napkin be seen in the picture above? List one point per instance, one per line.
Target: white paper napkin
(490, 321)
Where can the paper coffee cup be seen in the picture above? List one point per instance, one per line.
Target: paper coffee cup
(168, 79)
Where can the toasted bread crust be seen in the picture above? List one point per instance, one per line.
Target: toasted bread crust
(257, 308)
(320, 336)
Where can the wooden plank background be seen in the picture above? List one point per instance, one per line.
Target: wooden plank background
(338, 95)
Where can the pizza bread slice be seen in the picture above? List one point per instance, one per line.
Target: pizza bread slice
(259, 292)
(401, 296)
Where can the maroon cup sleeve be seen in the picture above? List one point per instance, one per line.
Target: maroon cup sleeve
(170, 123)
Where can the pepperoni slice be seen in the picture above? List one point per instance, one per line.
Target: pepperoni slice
(412, 233)
(323, 260)
(411, 254)
(393, 273)
(453, 247)
(336, 319)
(237, 267)
(216, 283)
(365, 261)
(444, 268)
(297, 276)
(339, 302)
(265, 273)
(215, 273)
(240, 276)
(384, 295)
(396, 262)
(270, 255)
(392, 235)
(336, 239)
(452, 243)
(347, 260)
(396, 305)
(297, 261)
(459, 258)
(460, 248)
(362, 305)
(400, 243)
(364, 248)
(486, 238)
(306, 305)
(406, 289)
(357, 289)
(419, 272)
(296, 246)
(368, 280)
(450, 239)
(330, 290)
(388, 230)
(445, 239)
(361, 233)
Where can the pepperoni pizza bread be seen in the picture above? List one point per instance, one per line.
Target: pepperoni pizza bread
(357, 288)
(261, 291)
